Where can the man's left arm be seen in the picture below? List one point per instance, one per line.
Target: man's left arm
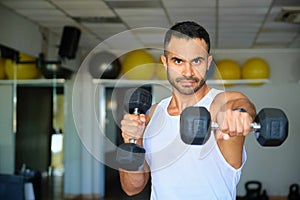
(234, 113)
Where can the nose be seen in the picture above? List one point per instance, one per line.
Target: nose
(187, 70)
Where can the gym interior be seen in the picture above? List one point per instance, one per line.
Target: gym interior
(60, 113)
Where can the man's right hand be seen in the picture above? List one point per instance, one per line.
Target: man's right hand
(133, 126)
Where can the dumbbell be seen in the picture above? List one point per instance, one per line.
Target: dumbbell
(253, 190)
(270, 126)
(294, 192)
(130, 156)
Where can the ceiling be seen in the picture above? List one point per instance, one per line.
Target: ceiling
(231, 23)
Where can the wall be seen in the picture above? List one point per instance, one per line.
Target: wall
(25, 36)
(84, 173)
(284, 63)
(7, 135)
(19, 33)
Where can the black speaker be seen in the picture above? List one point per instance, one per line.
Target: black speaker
(69, 42)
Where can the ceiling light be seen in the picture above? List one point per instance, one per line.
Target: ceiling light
(289, 14)
(134, 4)
(97, 19)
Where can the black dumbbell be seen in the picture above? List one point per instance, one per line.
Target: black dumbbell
(294, 192)
(130, 156)
(253, 190)
(270, 127)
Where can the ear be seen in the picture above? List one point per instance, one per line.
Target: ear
(164, 61)
(209, 61)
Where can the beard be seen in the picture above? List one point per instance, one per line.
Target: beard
(186, 90)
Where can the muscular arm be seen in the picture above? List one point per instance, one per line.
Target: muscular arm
(133, 182)
(232, 123)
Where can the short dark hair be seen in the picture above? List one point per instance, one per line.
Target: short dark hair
(187, 29)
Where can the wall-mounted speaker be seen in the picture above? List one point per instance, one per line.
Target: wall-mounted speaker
(69, 42)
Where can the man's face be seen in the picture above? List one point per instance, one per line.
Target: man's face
(187, 63)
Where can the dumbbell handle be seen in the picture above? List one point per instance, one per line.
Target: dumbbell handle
(253, 126)
(136, 112)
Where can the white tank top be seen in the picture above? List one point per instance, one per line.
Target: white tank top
(181, 171)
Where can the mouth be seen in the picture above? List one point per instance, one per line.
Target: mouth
(187, 81)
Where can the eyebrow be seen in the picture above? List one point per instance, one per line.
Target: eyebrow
(176, 58)
(194, 59)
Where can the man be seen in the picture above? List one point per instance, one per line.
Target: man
(177, 170)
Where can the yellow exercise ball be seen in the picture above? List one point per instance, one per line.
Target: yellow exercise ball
(2, 68)
(138, 65)
(227, 69)
(160, 71)
(24, 70)
(255, 68)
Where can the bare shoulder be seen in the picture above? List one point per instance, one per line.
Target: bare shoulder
(229, 95)
(232, 100)
(152, 109)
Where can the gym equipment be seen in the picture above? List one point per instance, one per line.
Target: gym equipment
(270, 127)
(160, 71)
(264, 195)
(52, 69)
(138, 65)
(2, 68)
(69, 42)
(253, 190)
(294, 192)
(255, 68)
(227, 69)
(131, 156)
(104, 65)
(12, 186)
(25, 67)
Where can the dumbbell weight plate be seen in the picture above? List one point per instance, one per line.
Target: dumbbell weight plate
(130, 156)
(195, 125)
(273, 127)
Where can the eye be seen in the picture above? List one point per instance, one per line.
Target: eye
(177, 61)
(197, 61)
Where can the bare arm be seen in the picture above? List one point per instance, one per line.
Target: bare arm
(234, 125)
(134, 182)
(133, 126)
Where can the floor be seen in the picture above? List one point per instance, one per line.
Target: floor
(52, 189)
(52, 186)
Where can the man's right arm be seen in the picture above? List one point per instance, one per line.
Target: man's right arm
(134, 182)
(133, 126)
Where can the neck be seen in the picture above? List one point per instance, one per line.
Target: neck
(181, 101)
